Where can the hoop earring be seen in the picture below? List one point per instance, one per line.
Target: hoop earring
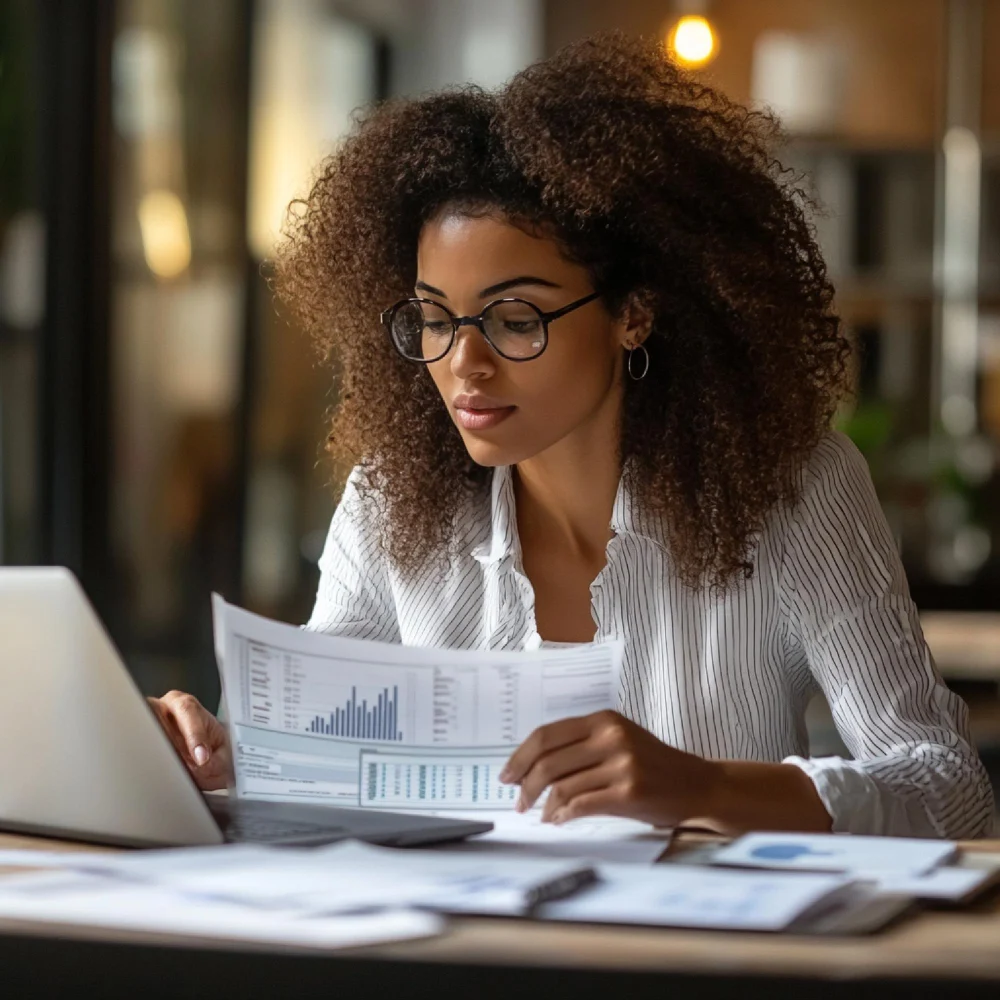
(645, 367)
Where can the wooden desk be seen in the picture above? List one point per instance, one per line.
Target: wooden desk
(934, 954)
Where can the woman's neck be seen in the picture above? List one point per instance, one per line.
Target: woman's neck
(565, 495)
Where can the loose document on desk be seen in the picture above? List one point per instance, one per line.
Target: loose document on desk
(94, 900)
(378, 725)
(593, 838)
(682, 896)
(825, 852)
(349, 877)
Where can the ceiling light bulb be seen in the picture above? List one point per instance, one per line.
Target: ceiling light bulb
(692, 40)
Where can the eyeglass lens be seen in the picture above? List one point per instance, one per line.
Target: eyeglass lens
(423, 330)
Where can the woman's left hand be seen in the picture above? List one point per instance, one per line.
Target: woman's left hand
(605, 764)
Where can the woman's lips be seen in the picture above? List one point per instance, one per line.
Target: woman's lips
(482, 419)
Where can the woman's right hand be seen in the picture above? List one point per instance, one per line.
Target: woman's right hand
(199, 738)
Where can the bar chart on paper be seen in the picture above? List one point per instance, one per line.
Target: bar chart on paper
(359, 720)
(292, 692)
(399, 781)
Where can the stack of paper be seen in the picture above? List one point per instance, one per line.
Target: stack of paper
(597, 839)
(682, 896)
(781, 882)
(94, 899)
(351, 877)
(900, 866)
(836, 853)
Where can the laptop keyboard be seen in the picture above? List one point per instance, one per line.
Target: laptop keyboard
(263, 830)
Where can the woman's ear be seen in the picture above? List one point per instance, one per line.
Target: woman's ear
(637, 320)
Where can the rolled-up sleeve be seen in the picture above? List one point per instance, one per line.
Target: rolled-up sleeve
(915, 771)
(354, 597)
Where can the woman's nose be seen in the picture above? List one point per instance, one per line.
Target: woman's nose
(471, 356)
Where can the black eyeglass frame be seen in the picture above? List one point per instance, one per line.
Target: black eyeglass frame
(387, 316)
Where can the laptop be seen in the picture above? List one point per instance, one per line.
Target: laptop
(83, 757)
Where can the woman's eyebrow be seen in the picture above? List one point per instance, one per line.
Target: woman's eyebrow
(502, 286)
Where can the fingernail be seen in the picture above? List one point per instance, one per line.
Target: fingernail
(200, 754)
(521, 805)
(558, 816)
(505, 774)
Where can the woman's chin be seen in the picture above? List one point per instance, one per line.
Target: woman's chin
(493, 453)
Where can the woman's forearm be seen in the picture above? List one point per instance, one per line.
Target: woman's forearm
(746, 795)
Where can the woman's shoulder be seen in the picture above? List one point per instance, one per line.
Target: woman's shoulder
(835, 457)
(835, 486)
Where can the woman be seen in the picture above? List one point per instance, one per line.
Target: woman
(589, 365)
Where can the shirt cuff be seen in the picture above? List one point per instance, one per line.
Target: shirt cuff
(857, 803)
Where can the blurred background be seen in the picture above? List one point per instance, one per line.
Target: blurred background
(162, 425)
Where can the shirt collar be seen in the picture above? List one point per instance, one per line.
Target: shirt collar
(503, 541)
(628, 518)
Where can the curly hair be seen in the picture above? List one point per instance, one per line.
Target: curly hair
(664, 190)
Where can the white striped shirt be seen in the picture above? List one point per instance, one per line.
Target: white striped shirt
(723, 676)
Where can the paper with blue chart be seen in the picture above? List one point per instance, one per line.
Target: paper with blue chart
(344, 721)
(854, 854)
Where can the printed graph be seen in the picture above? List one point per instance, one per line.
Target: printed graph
(361, 721)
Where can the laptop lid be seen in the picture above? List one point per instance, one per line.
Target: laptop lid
(81, 754)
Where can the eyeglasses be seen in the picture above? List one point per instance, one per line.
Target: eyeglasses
(424, 331)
